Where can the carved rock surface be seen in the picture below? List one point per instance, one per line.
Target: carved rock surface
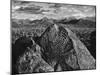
(58, 47)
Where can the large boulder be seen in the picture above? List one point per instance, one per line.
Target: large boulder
(18, 49)
(20, 46)
(85, 59)
(31, 62)
(63, 50)
(58, 48)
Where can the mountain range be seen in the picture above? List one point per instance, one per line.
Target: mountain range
(82, 22)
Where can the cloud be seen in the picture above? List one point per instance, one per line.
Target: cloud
(26, 16)
(24, 2)
(55, 5)
(30, 10)
(50, 10)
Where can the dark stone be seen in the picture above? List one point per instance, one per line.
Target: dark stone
(18, 49)
(93, 44)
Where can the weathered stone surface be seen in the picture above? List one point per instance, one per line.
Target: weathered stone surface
(32, 62)
(58, 43)
(57, 47)
(85, 59)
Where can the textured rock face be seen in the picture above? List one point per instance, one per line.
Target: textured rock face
(20, 46)
(32, 62)
(18, 49)
(58, 48)
(85, 59)
(56, 41)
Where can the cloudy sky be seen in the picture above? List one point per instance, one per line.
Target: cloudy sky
(35, 10)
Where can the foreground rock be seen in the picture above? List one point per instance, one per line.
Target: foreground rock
(32, 62)
(58, 49)
(85, 59)
(63, 50)
(18, 49)
(20, 46)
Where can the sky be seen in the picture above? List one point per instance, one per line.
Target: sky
(37, 10)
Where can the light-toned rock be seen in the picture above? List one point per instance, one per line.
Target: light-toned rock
(85, 59)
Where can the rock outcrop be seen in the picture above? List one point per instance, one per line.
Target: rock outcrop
(57, 49)
(85, 59)
(63, 48)
(32, 62)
